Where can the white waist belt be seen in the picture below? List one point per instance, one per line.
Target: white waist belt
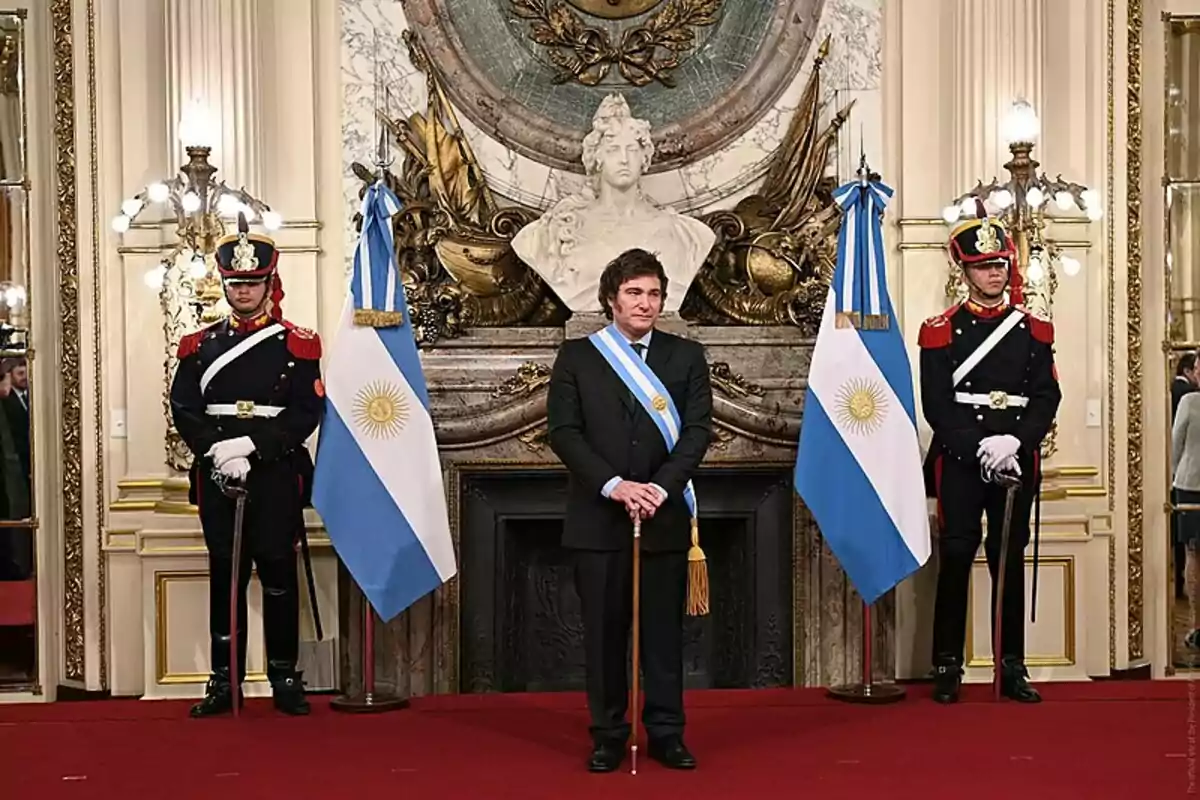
(997, 400)
(243, 409)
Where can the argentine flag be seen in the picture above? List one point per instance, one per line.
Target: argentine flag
(858, 467)
(378, 484)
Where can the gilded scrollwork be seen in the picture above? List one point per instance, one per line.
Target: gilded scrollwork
(71, 404)
(1133, 296)
(453, 241)
(530, 377)
(776, 250)
(535, 439)
(732, 383)
(642, 53)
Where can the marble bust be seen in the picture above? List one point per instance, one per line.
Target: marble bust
(570, 245)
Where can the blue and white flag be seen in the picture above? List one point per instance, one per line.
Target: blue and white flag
(858, 467)
(378, 484)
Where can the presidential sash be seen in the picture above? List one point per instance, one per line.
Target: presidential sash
(650, 392)
(647, 388)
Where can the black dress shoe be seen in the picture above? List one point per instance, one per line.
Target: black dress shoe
(947, 679)
(605, 757)
(218, 698)
(1014, 682)
(288, 693)
(672, 753)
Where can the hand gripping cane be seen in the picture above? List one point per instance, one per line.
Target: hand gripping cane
(238, 492)
(1010, 483)
(637, 637)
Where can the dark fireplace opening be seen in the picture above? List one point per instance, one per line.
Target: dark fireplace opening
(520, 620)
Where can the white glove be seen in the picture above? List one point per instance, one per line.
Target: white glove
(1011, 466)
(241, 447)
(235, 468)
(996, 450)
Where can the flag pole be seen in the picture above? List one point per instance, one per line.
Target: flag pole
(867, 691)
(368, 701)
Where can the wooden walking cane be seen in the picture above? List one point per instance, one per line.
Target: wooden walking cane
(635, 713)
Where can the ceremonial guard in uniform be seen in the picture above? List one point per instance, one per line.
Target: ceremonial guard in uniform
(990, 393)
(246, 396)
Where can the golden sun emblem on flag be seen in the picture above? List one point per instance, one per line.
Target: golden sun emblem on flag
(861, 406)
(380, 410)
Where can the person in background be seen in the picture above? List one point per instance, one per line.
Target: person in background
(16, 544)
(1185, 485)
(16, 408)
(1187, 380)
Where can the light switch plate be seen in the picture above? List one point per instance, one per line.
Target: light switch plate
(1093, 413)
(118, 424)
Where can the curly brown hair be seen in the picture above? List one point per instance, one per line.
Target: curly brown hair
(635, 263)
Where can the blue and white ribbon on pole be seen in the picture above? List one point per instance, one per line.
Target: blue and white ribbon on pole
(861, 283)
(858, 466)
(375, 286)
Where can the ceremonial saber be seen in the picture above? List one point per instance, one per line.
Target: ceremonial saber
(637, 630)
(239, 516)
(1011, 484)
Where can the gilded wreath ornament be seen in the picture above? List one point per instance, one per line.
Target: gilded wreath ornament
(642, 53)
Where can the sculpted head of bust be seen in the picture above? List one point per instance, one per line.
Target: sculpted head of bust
(619, 148)
(570, 245)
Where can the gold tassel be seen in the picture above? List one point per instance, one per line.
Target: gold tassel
(697, 599)
(378, 319)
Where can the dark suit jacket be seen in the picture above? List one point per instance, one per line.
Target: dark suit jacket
(600, 431)
(18, 423)
(1179, 387)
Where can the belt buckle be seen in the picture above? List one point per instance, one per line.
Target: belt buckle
(245, 409)
(998, 400)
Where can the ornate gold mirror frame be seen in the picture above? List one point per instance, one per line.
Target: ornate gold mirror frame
(70, 373)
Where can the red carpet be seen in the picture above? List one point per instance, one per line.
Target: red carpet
(1098, 740)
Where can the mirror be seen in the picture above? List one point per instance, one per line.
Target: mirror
(18, 517)
(1182, 231)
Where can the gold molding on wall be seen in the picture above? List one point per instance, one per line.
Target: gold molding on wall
(161, 628)
(1069, 656)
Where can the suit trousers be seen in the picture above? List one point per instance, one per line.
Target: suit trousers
(964, 498)
(604, 583)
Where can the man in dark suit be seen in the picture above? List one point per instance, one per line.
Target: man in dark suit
(621, 468)
(1187, 380)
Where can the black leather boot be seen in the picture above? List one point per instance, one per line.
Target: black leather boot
(947, 679)
(218, 696)
(1014, 681)
(288, 691)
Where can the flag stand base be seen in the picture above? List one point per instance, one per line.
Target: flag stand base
(368, 701)
(867, 692)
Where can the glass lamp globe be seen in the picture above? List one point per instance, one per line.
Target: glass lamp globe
(1021, 124)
